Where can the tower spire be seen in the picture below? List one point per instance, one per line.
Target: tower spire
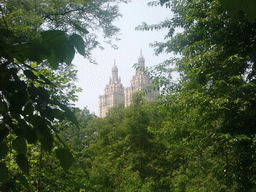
(114, 72)
(141, 60)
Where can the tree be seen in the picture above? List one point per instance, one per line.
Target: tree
(216, 63)
(126, 156)
(33, 35)
(234, 7)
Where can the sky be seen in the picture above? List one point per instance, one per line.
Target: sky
(94, 78)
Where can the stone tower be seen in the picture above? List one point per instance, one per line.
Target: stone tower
(140, 81)
(113, 93)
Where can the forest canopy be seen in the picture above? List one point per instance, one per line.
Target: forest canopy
(38, 41)
(199, 136)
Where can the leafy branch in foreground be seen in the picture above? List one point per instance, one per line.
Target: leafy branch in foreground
(37, 39)
(215, 56)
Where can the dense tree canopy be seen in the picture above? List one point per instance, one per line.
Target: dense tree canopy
(216, 62)
(199, 136)
(38, 41)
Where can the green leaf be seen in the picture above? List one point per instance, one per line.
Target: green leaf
(65, 157)
(70, 54)
(19, 144)
(58, 114)
(53, 60)
(78, 42)
(3, 150)
(61, 49)
(46, 137)
(47, 140)
(33, 92)
(34, 51)
(24, 128)
(68, 113)
(44, 95)
(22, 162)
(162, 2)
(3, 108)
(33, 65)
(18, 100)
(32, 136)
(22, 179)
(79, 28)
(29, 74)
(47, 81)
(4, 172)
(29, 109)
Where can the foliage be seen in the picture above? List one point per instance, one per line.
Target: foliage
(212, 107)
(234, 7)
(199, 137)
(38, 41)
(126, 156)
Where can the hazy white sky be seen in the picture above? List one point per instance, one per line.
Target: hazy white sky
(93, 78)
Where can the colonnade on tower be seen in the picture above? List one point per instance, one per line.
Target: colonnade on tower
(114, 93)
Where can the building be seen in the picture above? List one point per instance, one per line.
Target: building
(114, 93)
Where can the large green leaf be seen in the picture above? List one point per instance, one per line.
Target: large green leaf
(57, 41)
(47, 140)
(3, 172)
(55, 47)
(18, 100)
(46, 81)
(68, 113)
(33, 51)
(46, 137)
(79, 28)
(19, 145)
(58, 114)
(22, 162)
(65, 157)
(44, 95)
(29, 74)
(29, 109)
(32, 136)
(78, 42)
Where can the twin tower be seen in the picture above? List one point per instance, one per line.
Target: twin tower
(115, 93)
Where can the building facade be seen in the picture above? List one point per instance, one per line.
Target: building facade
(114, 93)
